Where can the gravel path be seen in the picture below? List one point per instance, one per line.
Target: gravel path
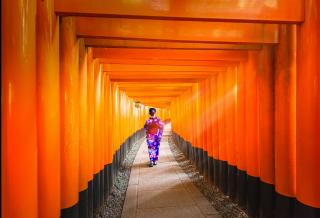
(113, 205)
(222, 203)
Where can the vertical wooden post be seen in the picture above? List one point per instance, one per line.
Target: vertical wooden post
(19, 171)
(83, 131)
(285, 121)
(266, 130)
(69, 107)
(252, 137)
(308, 112)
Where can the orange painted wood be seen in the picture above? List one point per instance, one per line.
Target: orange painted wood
(48, 111)
(176, 31)
(151, 68)
(90, 108)
(202, 113)
(110, 139)
(69, 104)
(215, 10)
(83, 122)
(214, 118)
(159, 75)
(285, 113)
(194, 115)
(97, 118)
(208, 117)
(48, 119)
(102, 120)
(230, 104)
(162, 80)
(163, 54)
(266, 115)
(221, 116)
(251, 110)
(149, 61)
(131, 43)
(241, 146)
(308, 107)
(198, 115)
(155, 92)
(19, 170)
(107, 108)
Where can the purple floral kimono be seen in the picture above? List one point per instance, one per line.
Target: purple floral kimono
(154, 130)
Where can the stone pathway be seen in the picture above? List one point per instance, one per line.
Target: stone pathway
(163, 190)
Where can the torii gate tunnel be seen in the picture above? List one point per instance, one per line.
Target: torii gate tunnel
(239, 81)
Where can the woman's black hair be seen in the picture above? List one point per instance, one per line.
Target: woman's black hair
(152, 111)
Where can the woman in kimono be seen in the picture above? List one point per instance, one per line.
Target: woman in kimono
(154, 130)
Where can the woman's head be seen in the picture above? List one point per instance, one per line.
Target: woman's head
(152, 111)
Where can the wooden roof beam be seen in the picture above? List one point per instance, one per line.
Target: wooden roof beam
(163, 54)
(177, 31)
(125, 43)
(146, 61)
(150, 68)
(285, 11)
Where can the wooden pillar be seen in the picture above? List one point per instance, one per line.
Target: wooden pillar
(285, 121)
(205, 123)
(266, 130)
(19, 170)
(107, 151)
(90, 108)
(210, 108)
(223, 168)
(48, 110)
(102, 137)
(83, 132)
(252, 137)
(241, 147)
(69, 107)
(215, 132)
(97, 136)
(230, 109)
(308, 112)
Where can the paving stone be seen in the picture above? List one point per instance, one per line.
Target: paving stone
(164, 198)
(170, 212)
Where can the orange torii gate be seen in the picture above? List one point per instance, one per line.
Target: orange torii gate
(73, 70)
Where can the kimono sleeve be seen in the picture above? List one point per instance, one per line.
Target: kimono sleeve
(161, 125)
(146, 125)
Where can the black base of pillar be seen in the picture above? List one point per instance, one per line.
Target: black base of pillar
(210, 170)
(90, 199)
(96, 192)
(71, 212)
(200, 160)
(267, 198)
(194, 155)
(205, 164)
(242, 188)
(216, 172)
(106, 180)
(232, 181)
(253, 196)
(197, 157)
(223, 182)
(119, 160)
(302, 211)
(284, 206)
(83, 204)
(190, 150)
(101, 187)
